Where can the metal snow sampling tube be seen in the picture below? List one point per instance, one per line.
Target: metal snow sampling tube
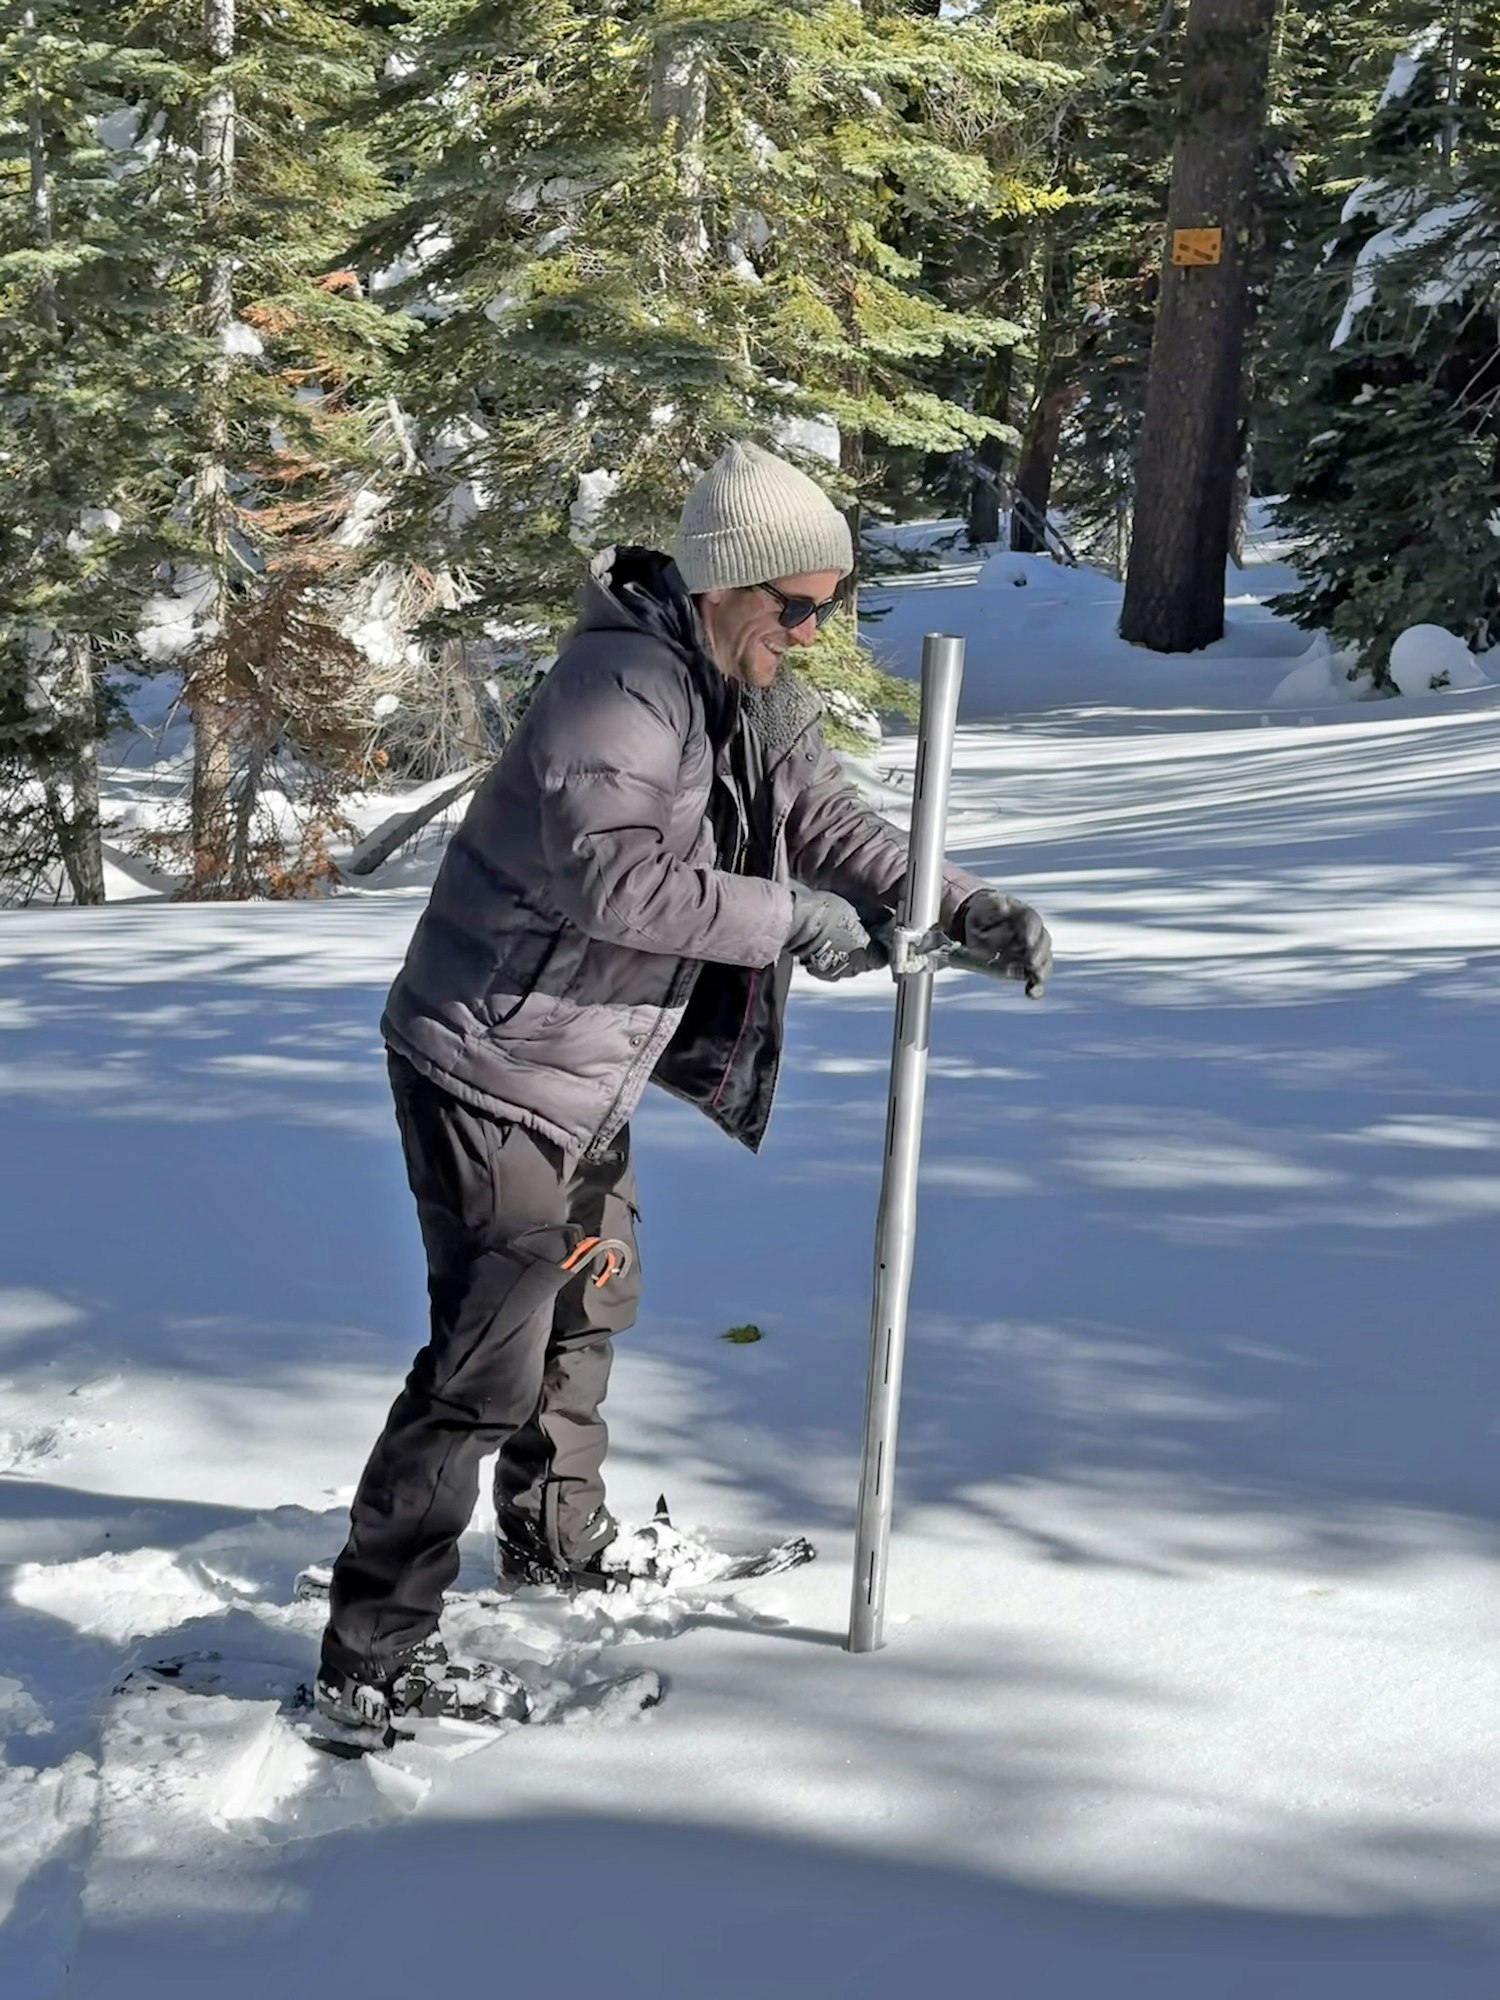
(914, 955)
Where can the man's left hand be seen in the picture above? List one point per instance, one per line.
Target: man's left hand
(1009, 934)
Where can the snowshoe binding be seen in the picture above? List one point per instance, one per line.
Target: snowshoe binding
(369, 1711)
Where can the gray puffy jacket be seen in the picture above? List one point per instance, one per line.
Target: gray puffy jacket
(614, 907)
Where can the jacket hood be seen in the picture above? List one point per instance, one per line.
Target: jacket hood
(640, 590)
(631, 590)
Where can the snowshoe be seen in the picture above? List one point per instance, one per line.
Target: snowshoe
(429, 1682)
(657, 1552)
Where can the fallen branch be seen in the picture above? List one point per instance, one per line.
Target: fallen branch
(377, 848)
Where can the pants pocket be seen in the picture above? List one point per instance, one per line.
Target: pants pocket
(605, 1295)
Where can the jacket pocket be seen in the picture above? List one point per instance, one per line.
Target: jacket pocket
(529, 985)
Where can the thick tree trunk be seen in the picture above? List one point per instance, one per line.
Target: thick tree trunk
(1174, 599)
(241, 880)
(85, 864)
(213, 750)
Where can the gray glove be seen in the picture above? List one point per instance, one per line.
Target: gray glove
(1010, 935)
(828, 937)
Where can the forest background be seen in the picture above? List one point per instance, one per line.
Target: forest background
(334, 338)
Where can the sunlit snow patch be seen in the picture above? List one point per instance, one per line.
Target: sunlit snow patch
(117, 1597)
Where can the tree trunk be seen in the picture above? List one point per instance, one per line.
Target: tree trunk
(241, 881)
(1038, 465)
(41, 190)
(679, 109)
(76, 828)
(75, 825)
(986, 496)
(1174, 599)
(1056, 355)
(1239, 519)
(86, 868)
(213, 750)
(1455, 79)
(852, 467)
(378, 847)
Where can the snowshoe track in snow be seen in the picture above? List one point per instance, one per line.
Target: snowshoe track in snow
(206, 1741)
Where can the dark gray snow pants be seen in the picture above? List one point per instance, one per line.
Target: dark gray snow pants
(517, 1362)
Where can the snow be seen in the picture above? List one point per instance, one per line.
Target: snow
(810, 437)
(595, 491)
(1467, 261)
(1043, 637)
(1192, 1667)
(427, 248)
(115, 1597)
(1426, 654)
(1403, 79)
(175, 620)
(237, 338)
(359, 522)
(1408, 66)
(1378, 198)
(116, 130)
(92, 522)
(1321, 678)
(381, 628)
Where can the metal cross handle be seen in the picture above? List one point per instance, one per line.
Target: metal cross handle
(929, 951)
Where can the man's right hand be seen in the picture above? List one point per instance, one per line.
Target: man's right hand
(828, 937)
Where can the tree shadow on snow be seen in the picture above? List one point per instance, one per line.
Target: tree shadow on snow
(644, 1909)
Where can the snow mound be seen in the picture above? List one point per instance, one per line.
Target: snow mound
(117, 1597)
(1320, 679)
(1310, 681)
(1425, 655)
(1006, 570)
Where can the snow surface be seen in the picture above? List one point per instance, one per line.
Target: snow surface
(1043, 638)
(1194, 1652)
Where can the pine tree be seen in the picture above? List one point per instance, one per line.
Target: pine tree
(635, 231)
(260, 184)
(1330, 63)
(85, 364)
(989, 265)
(1391, 419)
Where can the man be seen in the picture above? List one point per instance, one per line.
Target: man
(665, 835)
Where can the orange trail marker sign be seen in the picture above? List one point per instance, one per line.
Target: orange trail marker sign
(1197, 247)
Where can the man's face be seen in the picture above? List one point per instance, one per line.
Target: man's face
(745, 634)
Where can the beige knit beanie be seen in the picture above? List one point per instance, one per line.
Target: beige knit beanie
(751, 518)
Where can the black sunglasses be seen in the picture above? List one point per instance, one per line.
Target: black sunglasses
(796, 611)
